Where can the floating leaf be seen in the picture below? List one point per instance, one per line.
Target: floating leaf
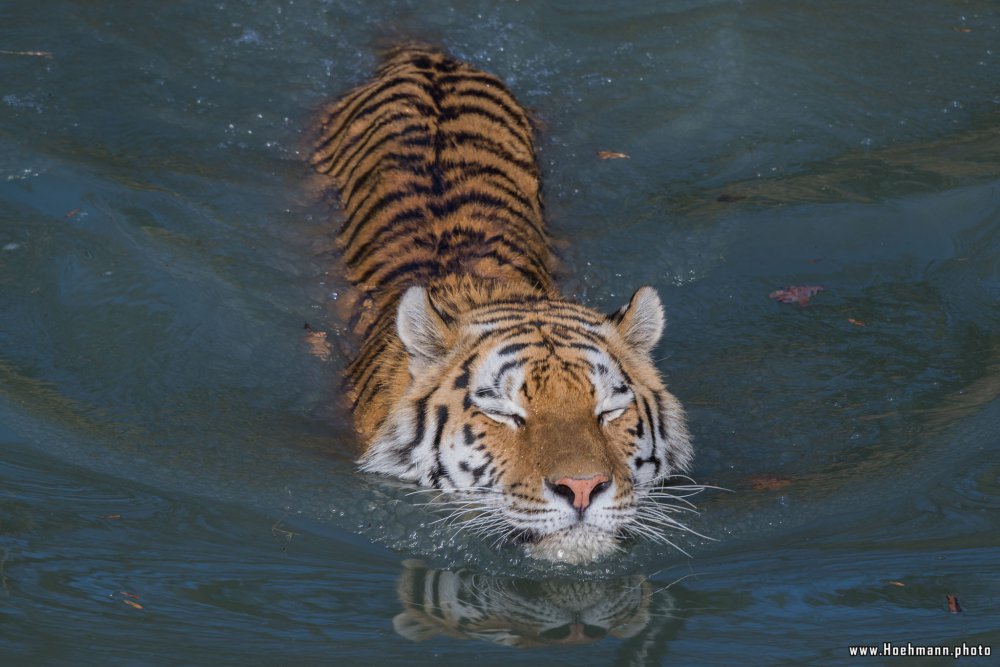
(799, 294)
(317, 344)
(611, 155)
(768, 482)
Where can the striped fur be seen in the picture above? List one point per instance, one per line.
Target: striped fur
(474, 375)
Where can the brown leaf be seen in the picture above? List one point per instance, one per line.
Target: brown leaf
(317, 344)
(799, 294)
(953, 605)
(768, 482)
(611, 155)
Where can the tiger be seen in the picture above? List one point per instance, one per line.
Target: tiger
(546, 420)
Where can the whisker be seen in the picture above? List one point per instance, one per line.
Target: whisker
(676, 525)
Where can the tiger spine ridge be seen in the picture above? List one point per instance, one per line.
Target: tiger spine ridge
(469, 353)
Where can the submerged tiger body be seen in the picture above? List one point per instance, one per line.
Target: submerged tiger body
(475, 376)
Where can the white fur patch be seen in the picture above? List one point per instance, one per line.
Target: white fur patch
(576, 545)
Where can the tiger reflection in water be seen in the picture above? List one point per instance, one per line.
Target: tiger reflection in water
(520, 613)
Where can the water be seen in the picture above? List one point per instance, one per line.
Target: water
(176, 483)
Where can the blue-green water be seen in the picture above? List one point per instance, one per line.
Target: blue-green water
(176, 479)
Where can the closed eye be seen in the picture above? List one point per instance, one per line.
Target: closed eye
(609, 416)
(510, 419)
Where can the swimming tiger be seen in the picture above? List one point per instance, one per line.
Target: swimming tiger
(474, 375)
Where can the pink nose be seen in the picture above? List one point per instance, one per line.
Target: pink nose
(579, 491)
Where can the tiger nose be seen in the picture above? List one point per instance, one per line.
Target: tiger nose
(579, 491)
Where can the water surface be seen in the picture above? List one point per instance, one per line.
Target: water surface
(176, 477)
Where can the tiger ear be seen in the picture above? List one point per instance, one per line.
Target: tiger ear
(640, 322)
(419, 325)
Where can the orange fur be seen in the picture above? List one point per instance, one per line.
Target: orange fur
(474, 373)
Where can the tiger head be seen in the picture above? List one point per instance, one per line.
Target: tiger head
(549, 419)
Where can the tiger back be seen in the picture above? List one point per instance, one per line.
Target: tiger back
(474, 375)
(434, 164)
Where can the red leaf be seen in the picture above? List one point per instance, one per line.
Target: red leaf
(768, 482)
(799, 294)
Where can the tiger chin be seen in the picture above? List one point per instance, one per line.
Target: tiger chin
(544, 422)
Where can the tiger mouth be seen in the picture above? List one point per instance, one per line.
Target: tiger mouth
(577, 544)
(527, 536)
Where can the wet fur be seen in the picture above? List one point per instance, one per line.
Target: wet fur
(474, 374)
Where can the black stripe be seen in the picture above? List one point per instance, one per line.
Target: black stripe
(514, 347)
(493, 146)
(395, 227)
(518, 252)
(639, 429)
(470, 196)
(652, 454)
(417, 587)
(438, 472)
(516, 116)
(500, 334)
(462, 381)
(504, 368)
(380, 204)
(367, 149)
(462, 109)
(422, 269)
(411, 165)
(371, 373)
(411, 98)
(473, 75)
(383, 165)
(471, 168)
(661, 426)
(477, 473)
(374, 127)
(436, 594)
(404, 454)
(361, 98)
